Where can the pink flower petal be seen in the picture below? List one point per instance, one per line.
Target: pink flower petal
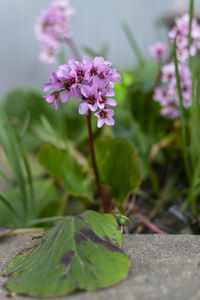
(65, 96)
(86, 91)
(49, 98)
(110, 121)
(110, 113)
(56, 104)
(47, 87)
(93, 107)
(100, 122)
(109, 93)
(111, 102)
(83, 108)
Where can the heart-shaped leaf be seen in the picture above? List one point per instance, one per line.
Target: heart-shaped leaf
(61, 164)
(79, 253)
(118, 165)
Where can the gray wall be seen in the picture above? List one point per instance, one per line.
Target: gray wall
(94, 24)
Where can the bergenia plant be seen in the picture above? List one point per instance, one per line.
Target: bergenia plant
(178, 92)
(167, 93)
(82, 252)
(91, 81)
(52, 29)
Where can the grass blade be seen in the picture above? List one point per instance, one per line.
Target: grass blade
(191, 13)
(44, 220)
(133, 43)
(183, 120)
(11, 209)
(10, 145)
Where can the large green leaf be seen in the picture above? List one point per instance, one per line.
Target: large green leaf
(118, 165)
(21, 101)
(79, 253)
(61, 164)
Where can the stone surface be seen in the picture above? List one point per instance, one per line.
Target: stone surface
(164, 267)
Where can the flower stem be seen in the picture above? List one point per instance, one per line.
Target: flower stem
(105, 201)
(74, 49)
(105, 197)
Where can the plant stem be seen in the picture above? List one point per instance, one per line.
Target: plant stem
(191, 13)
(92, 148)
(133, 43)
(74, 49)
(12, 209)
(183, 119)
(104, 198)
(132, 208)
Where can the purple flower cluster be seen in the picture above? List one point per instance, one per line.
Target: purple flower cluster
(52, 28)
(158, 50)
(166, 94)
(89, 80)
(181, 31)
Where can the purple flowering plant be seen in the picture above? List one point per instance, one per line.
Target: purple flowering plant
(52, 29)
(167, 92)
(77, 250)
(92, 81)
(178, 92)
(102, 171)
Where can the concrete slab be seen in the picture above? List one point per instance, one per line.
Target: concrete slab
(164, 268)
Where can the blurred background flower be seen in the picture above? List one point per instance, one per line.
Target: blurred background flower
(96, 21)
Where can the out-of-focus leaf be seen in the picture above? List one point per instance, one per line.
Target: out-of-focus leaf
(45, 193)
(21, 101)
(133, 43)
(118, 165)
(103, 52)
(121, 89)
(11, 147)
(165, 142)
(24, 125)
(61, 164)
(79, 253)
(146, 76)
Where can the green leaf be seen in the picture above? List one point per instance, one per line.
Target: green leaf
(133, 43)
(118, 165)
(61, 164)
(11, 148)
(21, 101)
(24, 125)
(45, 194)
(79, 253)
(91, 52)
